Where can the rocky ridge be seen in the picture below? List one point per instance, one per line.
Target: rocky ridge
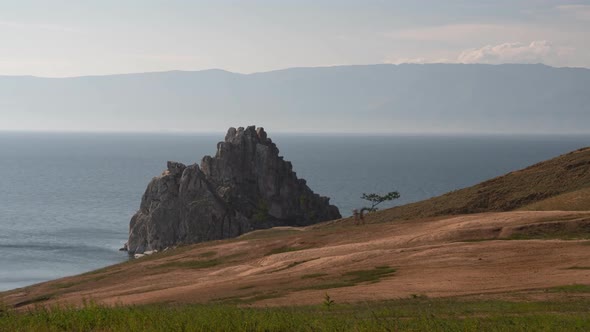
(244, 187)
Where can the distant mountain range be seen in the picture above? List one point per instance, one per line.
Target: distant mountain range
(432, 98)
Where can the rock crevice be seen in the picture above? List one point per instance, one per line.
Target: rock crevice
(245, 186)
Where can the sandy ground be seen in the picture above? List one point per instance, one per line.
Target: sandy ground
(468, 255)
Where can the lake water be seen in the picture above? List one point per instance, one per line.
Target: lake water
(66, 199)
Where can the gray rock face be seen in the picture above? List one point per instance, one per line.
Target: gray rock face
(246, 186)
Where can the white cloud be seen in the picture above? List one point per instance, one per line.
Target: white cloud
(538, 51)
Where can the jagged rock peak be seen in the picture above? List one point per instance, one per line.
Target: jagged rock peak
(245, 186)
(235, 136)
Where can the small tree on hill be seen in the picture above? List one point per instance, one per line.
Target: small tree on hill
(375, 200)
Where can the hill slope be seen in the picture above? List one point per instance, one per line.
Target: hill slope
(521, 189)
(372, 98)
(517, 254)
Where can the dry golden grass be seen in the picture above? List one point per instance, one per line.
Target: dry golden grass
(578, 200)
(491, 254)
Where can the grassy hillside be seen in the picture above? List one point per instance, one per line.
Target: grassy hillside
(454, 256)
(578, 200)
(523, 270)
(531, 188)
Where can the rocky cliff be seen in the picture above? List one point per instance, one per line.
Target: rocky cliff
(246, 186)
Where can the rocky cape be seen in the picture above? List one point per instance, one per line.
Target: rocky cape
(246, 186)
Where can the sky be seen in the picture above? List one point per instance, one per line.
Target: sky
(62, 38)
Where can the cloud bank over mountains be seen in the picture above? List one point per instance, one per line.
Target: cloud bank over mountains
(537, 51)
(554, 33)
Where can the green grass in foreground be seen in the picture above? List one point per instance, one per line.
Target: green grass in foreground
(404, 315)
(576, 288)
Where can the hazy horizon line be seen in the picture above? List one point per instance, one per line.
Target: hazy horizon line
(287, 133)
(290, 68)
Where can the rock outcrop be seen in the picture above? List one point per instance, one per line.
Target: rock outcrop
(246, 186)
